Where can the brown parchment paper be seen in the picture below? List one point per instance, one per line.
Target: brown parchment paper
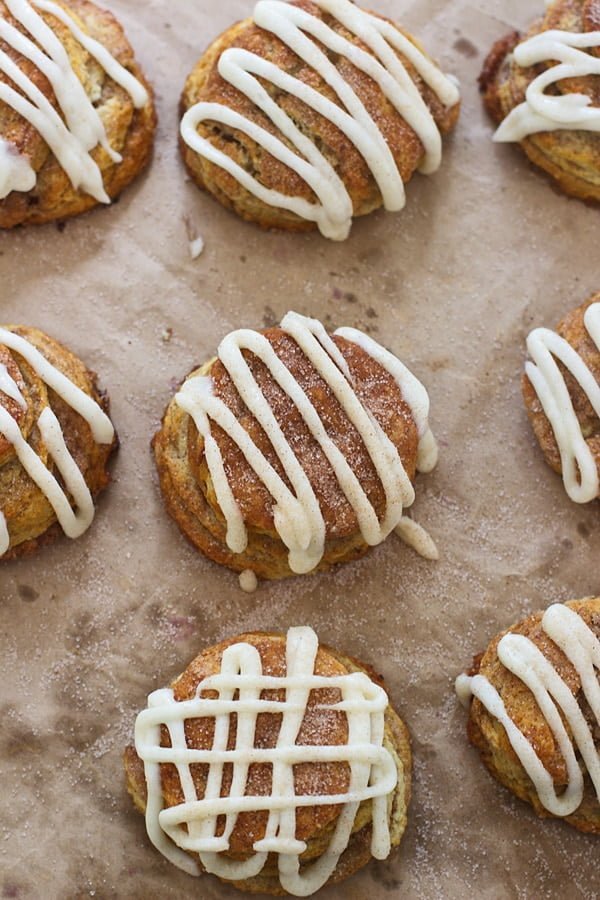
(484, 251)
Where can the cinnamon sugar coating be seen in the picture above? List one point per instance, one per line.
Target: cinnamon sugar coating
(572, 328)
(188, 490)
(315, 825)
(488, 735)
(205, 84)
(31, 519)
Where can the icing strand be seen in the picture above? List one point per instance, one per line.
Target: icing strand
(298, 518)
(192, 825)
(543, 111)
(73, 523)
(9, 387)
(16, 173)
(82, 129)
(4, 535)
(415, 536)
(304, 33)
(580, 472)
(556, 702)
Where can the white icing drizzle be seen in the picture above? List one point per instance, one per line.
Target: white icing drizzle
(546, 112)
(556, 703)
(16, 173)
(298, 518)
(192, 825)
(415, 536)
(73, 523)
(303, 33)
(9, 387)
(580, 472)
(4, 535)
(82, 129)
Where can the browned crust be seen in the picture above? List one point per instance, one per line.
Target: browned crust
(129, 130)
(572, 329)
(31, 520)
(490, 74)
(570, 158)
(205, 84)
(188, 491)
(489, 736)
(314, 825)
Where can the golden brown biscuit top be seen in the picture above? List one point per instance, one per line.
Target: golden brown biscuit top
(92, 20)
(348, 161)
(54, 462)
(251, 786)
(577, 16)
(320, 727)
(377, 390)
(71, 134)
(252, 155)
(14, 409)
(574, 331)
(521, 705)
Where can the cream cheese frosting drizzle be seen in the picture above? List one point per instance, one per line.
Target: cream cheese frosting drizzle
(192, 825)
(297, 515)
(306, 35)
(556, 702)
(16, 173)
(70, 139)
(74, 522)
(546, 112)
(580, 472)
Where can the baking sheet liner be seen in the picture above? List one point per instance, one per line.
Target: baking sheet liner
(484, 251)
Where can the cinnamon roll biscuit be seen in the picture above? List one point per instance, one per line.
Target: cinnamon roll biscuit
(561, 388)
(275, 764)
(534, 711)
(295, 450)
(55, 441)
(543, 90)
(312, 112)
(77, 116)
